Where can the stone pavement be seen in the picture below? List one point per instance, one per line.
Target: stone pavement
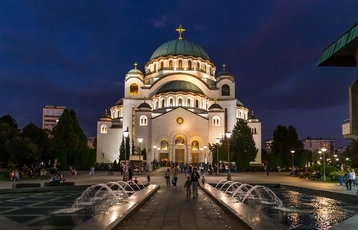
(170, 209)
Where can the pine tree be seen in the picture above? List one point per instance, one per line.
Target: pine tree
(243, 145)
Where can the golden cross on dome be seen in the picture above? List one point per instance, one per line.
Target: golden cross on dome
(180, 30)
(135, 65)
(224, 66)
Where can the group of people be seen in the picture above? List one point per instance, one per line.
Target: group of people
(350, 178)
(192, 180)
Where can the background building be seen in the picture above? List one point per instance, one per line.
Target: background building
(177, 106)
(314, 144)
(50, 116)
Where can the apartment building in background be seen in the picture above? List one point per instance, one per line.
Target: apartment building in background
(50, 116)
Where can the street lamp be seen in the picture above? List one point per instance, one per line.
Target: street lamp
(140, 153)
(217, 156)
(205, 160)
(324, 163)
(125, 134)
(293, 164)
(201, 162)
(228, 135)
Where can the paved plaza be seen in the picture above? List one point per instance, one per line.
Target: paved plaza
(167, 209)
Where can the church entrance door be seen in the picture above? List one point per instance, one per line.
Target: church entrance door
(164, 157)
(179, 155)
(194, 157)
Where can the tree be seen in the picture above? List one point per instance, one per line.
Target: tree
(8, 131)
(219, 151)
(284, 141)
(242, 144)
(22, 150)
(352, 153)
(39, 137)
(69, 139)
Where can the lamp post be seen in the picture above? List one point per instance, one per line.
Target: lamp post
(205, 160)
(140, 153)
(293, 159)
(228, 135)
(324, 163)
(217, 157)
(125, 134)
(201, 162)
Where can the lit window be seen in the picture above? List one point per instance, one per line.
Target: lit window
(103, 128)
(189, 65)
(170, 65)
(216, 121)
(180, 64)
(143, 121)
(133, 89)
(225, 90)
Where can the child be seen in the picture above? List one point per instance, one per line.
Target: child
(187, 185)
(203, 180)
(148, 179)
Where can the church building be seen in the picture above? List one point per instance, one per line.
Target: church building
(175, 108)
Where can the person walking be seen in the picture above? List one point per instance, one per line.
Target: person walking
(175, 177)
(167, 177)
(194, 182)
(187, 185)
(92, 171)
(349, 180)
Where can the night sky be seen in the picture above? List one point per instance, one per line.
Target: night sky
(77, 53)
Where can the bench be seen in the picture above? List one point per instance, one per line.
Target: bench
(26, 185)
(48, 184)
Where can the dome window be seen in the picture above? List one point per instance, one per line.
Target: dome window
(133, 89)
(161, 65)
(180, 102)
(180, 65)
(189, 102)
(189, 65)
(198, 66)
(225, 90)
(155, 67)
(171, 65)
(197, 103)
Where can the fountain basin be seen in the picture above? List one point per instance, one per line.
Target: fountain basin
(113, 217)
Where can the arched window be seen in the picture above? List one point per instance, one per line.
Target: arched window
(157, 107)
(197, 103)
(180, 102)
(204, 68)
(104, 128)
(197, 66)
(171, 102)
(179, 141)
(155, 67)
(161, 65)
(189, 65)
(225, 90)
(216, 121)
(189, 102)
(164, 145)
(180, 65)
(170, 64)
(143, 121)
(133, 89)
(163, 103)
(195, 145)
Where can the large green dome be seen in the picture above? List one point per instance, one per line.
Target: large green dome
(179, 86)
(180, 47)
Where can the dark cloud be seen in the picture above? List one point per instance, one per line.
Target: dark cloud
(76, 54)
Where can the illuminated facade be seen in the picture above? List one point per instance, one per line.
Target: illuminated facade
(178, 105)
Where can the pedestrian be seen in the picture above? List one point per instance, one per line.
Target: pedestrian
(349, 180)
(278, 168)
(92, 171)
(175, 177)
(187, 185)
(194, 182)
(267, 170)
(148, 179)
(203, 180)
(167, 177)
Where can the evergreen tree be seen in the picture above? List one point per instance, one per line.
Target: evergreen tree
(242, 144)
(352, 153)
(69, 141)
(284, 141)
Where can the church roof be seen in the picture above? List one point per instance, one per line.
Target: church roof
(179, 86)
(239, 103)
(144, 105)
(180, 47)
(215, 106)
(224, 72)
